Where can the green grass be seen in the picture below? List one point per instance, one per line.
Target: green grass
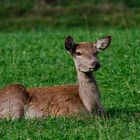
(31, 14)
(38, 58)
(32, 53)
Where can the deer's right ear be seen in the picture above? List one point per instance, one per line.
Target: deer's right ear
(103, 43)
(69, 43)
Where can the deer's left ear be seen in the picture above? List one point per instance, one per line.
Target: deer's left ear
(103, 43)
(69, 43)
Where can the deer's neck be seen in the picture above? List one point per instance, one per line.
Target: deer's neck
(88, 90)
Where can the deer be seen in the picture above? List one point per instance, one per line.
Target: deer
(16, 101)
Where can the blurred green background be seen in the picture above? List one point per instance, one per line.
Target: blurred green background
(37, 14)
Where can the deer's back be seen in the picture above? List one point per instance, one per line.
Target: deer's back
(57, 100)
(16, 101)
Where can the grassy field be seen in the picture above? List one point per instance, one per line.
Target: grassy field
(38, 58)
(32, 53)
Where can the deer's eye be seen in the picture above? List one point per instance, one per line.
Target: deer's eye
(78, 53)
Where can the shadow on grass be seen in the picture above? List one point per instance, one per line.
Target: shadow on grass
(121, 112)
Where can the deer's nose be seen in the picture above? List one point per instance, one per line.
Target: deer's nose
(95, 65)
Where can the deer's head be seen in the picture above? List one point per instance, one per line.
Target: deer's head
(85, 53)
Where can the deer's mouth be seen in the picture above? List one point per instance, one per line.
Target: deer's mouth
(85, 69)
(90, 68)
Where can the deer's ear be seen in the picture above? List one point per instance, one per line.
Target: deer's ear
(69, 44)
(103, 43)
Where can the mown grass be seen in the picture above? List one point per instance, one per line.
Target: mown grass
(38, 58)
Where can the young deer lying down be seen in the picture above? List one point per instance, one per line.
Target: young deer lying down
(16, 101)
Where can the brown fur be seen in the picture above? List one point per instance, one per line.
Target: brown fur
(16, 101)
(55, 101)
(13, 99)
